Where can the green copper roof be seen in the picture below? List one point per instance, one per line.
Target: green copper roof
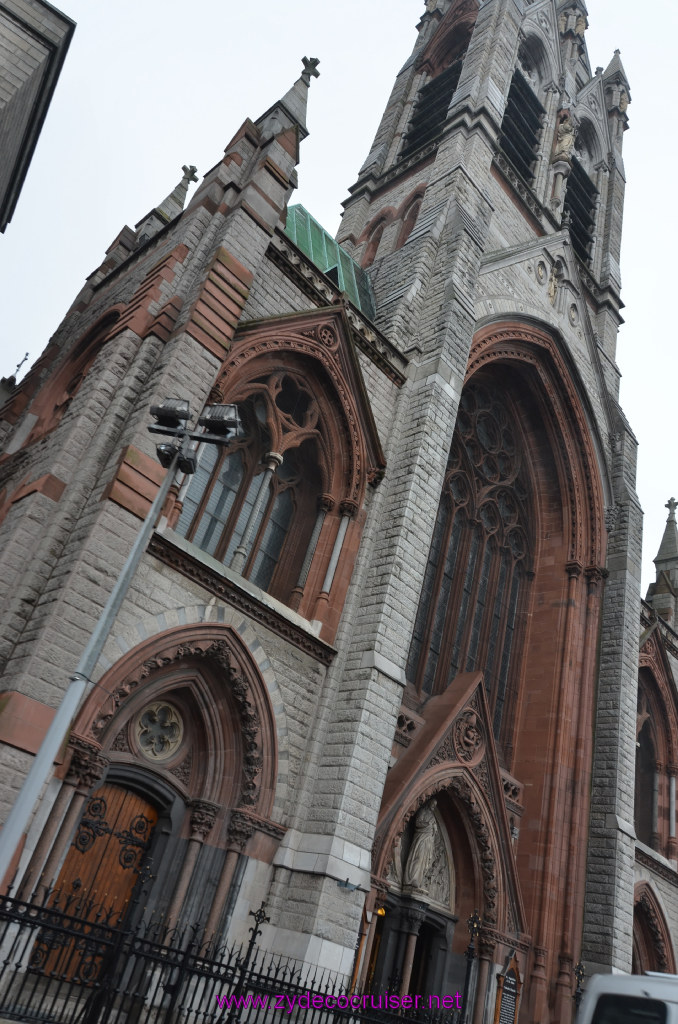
(329, 257)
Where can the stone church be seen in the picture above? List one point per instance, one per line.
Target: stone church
(379, 663)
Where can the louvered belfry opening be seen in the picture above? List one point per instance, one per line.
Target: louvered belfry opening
(580, 202)
(430, 111)
(521, 127)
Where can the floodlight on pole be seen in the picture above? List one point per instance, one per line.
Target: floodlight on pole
(171, 417)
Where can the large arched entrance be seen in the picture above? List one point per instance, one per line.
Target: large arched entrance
(173, 770)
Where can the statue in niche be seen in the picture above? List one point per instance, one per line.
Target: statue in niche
(395, 868)
(437, 881)
(565, 138)
(420, 857)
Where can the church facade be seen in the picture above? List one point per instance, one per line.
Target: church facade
(378, 665)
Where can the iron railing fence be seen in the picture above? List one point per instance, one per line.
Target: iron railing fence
(64, 961)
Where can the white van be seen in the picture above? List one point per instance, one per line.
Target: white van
(630, 999)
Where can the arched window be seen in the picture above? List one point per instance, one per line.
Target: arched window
(654, 806)
(581, 194)
(409, 220)
(253, 504)
(646, 760)
(443, 59)
(521, 126)
(476, 575)
(60, 389)
(373, 244)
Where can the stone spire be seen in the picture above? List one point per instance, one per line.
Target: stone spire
(667, 556)
(293, 104)
(168, 209)
(663, 593)
(172, 206)
(614, 71)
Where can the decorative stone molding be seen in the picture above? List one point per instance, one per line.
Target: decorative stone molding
(469, 736)
(203, 817)
(243, 825)
(657, 867)
(223, 588)
(159, 730)
(182, 771)
(238, 686)
(412, 917)
(88, 764)
(655, 929)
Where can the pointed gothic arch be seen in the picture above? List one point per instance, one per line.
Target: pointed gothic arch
(656, 746)
(292, 490)
(206, 672)
(181, 735)
(450, 41)
(61, 387)
(652, 944)
(572, 430)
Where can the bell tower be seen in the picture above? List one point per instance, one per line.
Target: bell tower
(488, 217)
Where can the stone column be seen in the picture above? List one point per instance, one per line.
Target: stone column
(271, 460)
(29, 882)
(348, 509)
(413, 918)
(369, 941)
(87, 768)
(325, 505)
(203, 816)
(655, 805)
(486, 950)
(240, 829)
(672, 848)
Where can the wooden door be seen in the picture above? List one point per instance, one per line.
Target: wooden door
(103, 863)
(96, 884)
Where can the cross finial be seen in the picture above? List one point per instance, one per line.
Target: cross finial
(189, 172)
(671, 505)
(21, 364)
(310, 68)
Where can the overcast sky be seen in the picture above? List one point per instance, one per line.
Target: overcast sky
(149, 85)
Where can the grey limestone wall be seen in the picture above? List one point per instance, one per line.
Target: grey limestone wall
(608, 919)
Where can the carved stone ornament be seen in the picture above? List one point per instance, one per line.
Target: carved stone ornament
(203, 816)
(462, 789)
(437, 880)
(88, 764)
(482, 774)
(445, 752)
(240, 829)
(182, 771)
(159, 730)
(655, 930)
(394, 875)
(469, 736)
(611, 517)
(121, 742)
(412, 918)
(565, 138)
(244, 824)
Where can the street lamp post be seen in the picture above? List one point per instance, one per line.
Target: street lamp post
(474, 924)
(223, 424)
